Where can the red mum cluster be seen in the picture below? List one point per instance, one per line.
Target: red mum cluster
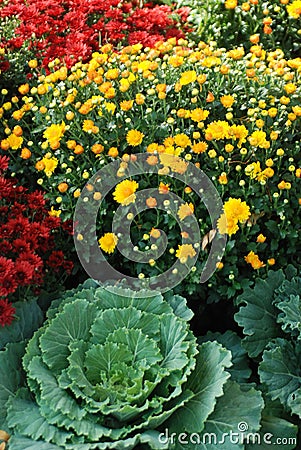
(73, 29)
(27, 241)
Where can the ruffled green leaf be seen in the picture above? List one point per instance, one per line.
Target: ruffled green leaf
(280, 372)
(88, 428)
(145, 301)
(28, 318)
(141, 347)
(237, 411)
(290, 316)
(24, 417)
(275, 427)
(179, 306)
(11, 377)
(73, 323)
(105, 370)
(102, 358)
(113, 319)
(173, 344)
(50, 391)
(240, 370)
(17, 442)
(83, 291)
(206, 383)
(290, 286)
(258, 316)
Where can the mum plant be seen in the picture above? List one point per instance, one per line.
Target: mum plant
(234, 115)
(273, 24)
(109, 369)
(44, 31)
(31, 242)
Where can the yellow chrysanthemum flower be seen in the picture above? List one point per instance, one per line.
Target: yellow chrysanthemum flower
(230, 4)
(258, 139)
(126, 105)
(14, 141)
(227, 101)
(110, 107)
(217, 130)
(54, 212)
(125, 192)
(184, 251)
(175, 163)
(108, 242)
(112, 74)
(134, 137)
(199, 115)
(188, 77)
(252, 170)
(182, 140)
(294, 9)
(55, 132)
(185, 210)
(238, 132)
(199, 147)
(50, 164)
(88, 125)
(227, 225)
(237, 210)
(254, 260)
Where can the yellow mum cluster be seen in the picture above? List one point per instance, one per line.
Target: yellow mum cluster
(235, 211)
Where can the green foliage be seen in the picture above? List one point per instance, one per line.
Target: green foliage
(240, 371)
(111, 370)
(258, 316)
(65, 153)
(231, 26)
(10, 375)
(236, 404)
(270, 317)
(275, 425)
(28, 318)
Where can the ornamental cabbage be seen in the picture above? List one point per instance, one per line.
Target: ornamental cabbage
(103, 372)
(111, 370)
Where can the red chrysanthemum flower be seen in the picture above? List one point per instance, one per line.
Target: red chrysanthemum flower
(4, 163)
(24, 272)
(20, 245)
(8, 284)
(7, 312)
(56, 259)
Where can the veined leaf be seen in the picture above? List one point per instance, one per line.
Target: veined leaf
(290, 317)
(51, 393)
(84, 291)
(104, 357)
(18, 442)
(206, 382)
(290, 286)
(25, 418)
(124, 298)
(141, 347)
(113, 319)
(258, 316)
(173, 344)
(237, 411)
(240, 370)
(280, 373)
(179, 306)
(11, 377)
(28, 319)
(73, 323)
(274, 426)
